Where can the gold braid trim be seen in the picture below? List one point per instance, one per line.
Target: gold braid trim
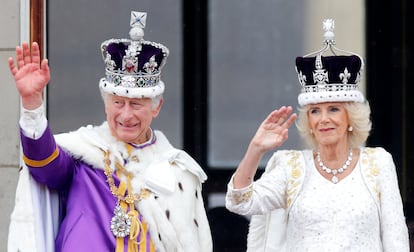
(294, 178)
(41, 163)
(239, 197)
(372, 172)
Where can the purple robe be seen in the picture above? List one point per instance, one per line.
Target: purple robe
(87, 203)
(85, 197)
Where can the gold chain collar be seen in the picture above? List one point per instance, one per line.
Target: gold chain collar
(122, 223)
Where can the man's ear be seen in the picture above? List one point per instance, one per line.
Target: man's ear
(157, 110)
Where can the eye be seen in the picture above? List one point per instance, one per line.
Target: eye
(117, 102)
(334, 109)
(136, 104)
(313, 110)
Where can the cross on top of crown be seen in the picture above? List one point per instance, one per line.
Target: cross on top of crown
(138, 19)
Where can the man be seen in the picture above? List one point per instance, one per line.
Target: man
(122, 185)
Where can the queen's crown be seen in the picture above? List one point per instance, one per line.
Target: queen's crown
(333, 78)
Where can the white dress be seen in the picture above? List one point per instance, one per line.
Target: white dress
(363, 212)
(334, 217)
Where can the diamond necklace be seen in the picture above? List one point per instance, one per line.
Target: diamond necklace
(334, 172)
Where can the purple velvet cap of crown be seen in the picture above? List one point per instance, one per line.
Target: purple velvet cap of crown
(117, 50)
(332, 79)
(334, 65)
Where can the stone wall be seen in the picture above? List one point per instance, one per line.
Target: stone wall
(9, 111)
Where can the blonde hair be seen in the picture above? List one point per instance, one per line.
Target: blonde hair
(359, 118)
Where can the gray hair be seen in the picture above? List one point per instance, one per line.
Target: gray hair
(358, 116)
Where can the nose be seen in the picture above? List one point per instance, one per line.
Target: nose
(324, 117)
(126, 112)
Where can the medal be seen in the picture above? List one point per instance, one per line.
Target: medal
(120, 222)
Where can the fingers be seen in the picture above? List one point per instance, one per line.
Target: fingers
(282, 116)
(12, 67)
(290, 120)
(19, 57)
(26, 54)
(288, 117)
(45, 64)
(35, 53)
(283, 113)
(275, 115)
(45, 68)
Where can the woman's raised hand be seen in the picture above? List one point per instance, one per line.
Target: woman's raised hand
(30, 74)
(273, 131)
(271, 134)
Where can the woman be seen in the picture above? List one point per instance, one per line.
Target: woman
(337, 196)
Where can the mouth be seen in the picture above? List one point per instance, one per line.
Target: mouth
(326, 129)
(128, 125)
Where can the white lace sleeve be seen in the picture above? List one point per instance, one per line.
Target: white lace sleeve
(33, 122)
(263, 195)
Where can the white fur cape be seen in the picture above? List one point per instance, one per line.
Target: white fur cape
(34, 220)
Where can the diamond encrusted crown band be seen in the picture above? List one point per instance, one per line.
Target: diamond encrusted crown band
(131, 81)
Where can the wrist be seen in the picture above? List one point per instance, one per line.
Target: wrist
(256, 149)
(32, 102)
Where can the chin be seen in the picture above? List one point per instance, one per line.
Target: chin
(126, 137)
